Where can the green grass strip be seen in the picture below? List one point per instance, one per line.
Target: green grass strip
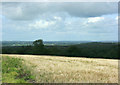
(13, 71)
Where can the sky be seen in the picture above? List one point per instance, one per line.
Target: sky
(59, 21)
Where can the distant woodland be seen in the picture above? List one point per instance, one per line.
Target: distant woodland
(89, 50)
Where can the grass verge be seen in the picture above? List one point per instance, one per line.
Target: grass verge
(14, 71)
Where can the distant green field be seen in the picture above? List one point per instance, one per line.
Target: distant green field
(54, 69)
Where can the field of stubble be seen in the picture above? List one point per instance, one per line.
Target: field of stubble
(53, 69)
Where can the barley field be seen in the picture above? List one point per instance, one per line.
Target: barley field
(54, 69)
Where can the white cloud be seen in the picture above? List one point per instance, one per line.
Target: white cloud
(116, 18)
(72, 28)
(95, 19)
(57, 18)
(41, 24)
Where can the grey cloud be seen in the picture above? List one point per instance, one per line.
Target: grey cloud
(33, 10)
(91, 9)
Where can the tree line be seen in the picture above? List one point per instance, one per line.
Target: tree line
(90, 50)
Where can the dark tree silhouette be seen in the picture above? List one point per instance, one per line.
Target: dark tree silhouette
(38, 43)
(38, 47)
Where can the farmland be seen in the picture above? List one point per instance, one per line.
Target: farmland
(54, 69)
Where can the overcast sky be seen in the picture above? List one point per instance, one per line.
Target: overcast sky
(68, 21)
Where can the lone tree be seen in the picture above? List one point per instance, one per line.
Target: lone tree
(38, 43)
(38, 47)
